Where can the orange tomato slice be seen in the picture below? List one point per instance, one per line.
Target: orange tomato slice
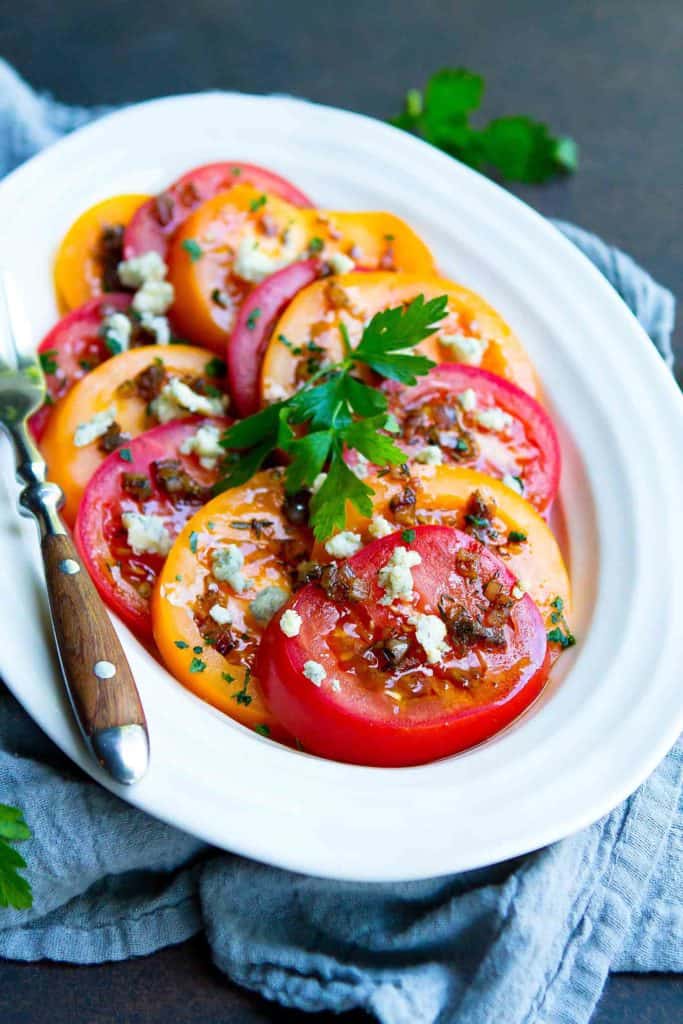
(309, 330)
(203, 255)
(71, 467)
(78, 265)
(189, 640)
(442, 494)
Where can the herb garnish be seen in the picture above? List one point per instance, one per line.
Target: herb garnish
(316, 245)
(15, 891)
(518, 148)
(262, 730)
(252, 318)
(126, 454)
(215, 367)
(48, 362)
(408, 536)
(192, 248)
(197, 665)
(340, 411)
(194, 537)
(242, 697)
(181, 645)
(256, 204)
(562, 636)
(516, 537)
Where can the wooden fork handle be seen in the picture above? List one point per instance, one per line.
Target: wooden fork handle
(98, 678)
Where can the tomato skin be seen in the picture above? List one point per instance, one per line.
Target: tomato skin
(248, 343)
(78, 273)
(74, 338)
(534, 428)
(159, 218)
(104, 501)
(361, 726)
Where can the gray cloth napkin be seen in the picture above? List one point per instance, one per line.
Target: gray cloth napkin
(525, 942)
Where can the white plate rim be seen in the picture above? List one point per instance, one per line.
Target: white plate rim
(306, 835)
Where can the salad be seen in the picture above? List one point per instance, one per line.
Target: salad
(312, 475)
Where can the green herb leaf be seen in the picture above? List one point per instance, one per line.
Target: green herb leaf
(408, 536)
(215, 368)
(557, 636)
(363, 399)
(48, 362)
(256, 204)
(15, 891)
(252, 318)
(365, 437)
(194, 537)
(328, 506)
(197, 665)
(316, 245)
(192, 248)
(126, 454)
(181, 645)
(309, 454)
(518, 148)
(516, 537)
(262, 730)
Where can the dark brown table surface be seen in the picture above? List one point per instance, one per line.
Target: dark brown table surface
(608, 72)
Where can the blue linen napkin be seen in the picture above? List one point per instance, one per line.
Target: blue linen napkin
(525, 942)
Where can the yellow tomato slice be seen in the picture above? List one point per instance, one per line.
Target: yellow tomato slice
(310, 327)
(203, 255)
(78, 266)
(188, 638)
(442, 495)
(104, 388)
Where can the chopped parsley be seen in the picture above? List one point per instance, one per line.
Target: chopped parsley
(197, 665)
(516, 537)
(408, 536)
(220, 298)
(316, 244)
(236, 171)
(227, 677)
(242, 697)
(48, 362)
(181, 645)
(262, 730)
(194, 537)
(558, 636)
(215, 367)
(252, 318)
(256, 204)
(517, 148)
(198, 649)
(126, 454)
(192, 248)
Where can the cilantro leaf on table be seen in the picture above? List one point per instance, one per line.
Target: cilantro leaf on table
(15, 891)
(335, 412)
(518, 148)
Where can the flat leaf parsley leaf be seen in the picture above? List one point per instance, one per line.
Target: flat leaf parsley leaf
(336, 412)
(518, 148)
(15, 891)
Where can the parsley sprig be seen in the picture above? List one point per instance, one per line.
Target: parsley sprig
(15, 891)
(336, 411)
(518, 148)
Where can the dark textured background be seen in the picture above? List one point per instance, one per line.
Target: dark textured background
(608, 72)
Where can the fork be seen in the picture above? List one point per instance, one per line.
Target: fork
(98, 679)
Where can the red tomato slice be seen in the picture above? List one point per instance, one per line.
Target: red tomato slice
(158, 218)
(72, 348)
(133, 480)
(380, 701)
(255, 321)
(454, 408)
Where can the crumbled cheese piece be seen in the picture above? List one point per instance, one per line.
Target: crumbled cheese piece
(336, 685)
(290, 622)
(116, 330)
(158, 326)
(395, 578)
(430, 633)
(468, 399)
(314, 671)
(518, 591)
(87, 432)
(267, 602)
(514, 483)
(138, 270)
(146, 534)
(380, 527)
(431, 455)
(205, 444)
(361, 466)
(227, 564)
(318, 482)
(253, 264)
(494, 419)
(340, 263)
(221, 615)
(465, 349)
(176, 399)
(274, 392)
(154, 297)
(344, 544)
